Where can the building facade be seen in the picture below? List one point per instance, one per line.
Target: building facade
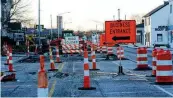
(156, 26)
(140, 33)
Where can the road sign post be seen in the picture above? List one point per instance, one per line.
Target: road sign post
(120, 31)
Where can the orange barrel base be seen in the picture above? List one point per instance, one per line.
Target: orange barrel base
(143, 67)
(164, 80)
(90, 88)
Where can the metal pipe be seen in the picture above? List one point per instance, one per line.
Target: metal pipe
(39, 23)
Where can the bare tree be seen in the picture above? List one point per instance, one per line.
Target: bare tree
(18, 11)
(137, 17)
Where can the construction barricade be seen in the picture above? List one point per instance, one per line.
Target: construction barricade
(104, 49)
(120, 52)
(93, 58)
(142, 61)
(164, 67)
(57, 55)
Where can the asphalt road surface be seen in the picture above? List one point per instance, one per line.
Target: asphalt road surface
(66, 81)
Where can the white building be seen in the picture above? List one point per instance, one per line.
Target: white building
(156, 26)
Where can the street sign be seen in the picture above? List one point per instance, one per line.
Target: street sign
(41, 27)
(72, 40)
(120, 31)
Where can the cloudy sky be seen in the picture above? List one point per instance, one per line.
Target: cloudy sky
(83, 13)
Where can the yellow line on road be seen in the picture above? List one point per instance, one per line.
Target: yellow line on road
(60, 67)
(52, 88)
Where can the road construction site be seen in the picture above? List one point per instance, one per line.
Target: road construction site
(69, 77)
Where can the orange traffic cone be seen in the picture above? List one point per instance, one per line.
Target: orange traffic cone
(42, 90)
(7, 63)
(10, 74)
(10, 65)
(52, 65)
(94, 58)
(86, 85)
(57, 55)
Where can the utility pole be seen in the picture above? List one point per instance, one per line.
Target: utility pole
(51, 26)
(39, 23)
(118, 14)
(114, 17)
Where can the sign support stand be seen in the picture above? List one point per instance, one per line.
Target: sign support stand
(120, 67)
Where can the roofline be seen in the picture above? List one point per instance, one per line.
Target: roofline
(164, 5)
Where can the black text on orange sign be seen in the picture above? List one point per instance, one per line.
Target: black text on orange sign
(120, 24)
(114, 31)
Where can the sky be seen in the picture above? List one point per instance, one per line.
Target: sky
(84, 13)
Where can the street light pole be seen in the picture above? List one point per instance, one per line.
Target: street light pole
(118, 14)
(39, 23)
(51, 26)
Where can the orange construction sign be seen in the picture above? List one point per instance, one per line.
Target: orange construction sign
(120, 31)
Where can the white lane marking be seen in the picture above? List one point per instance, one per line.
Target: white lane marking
(164, 90)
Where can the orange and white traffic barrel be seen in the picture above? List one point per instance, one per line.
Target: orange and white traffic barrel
(154, 53)
(142, 61)
(57, 55)
(86, 81)
(154, 60)
(120, 52)
(104, 49)
(42, 90)
(109, 50)
(164, 73)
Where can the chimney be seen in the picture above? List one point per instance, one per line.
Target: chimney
(166, 2)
